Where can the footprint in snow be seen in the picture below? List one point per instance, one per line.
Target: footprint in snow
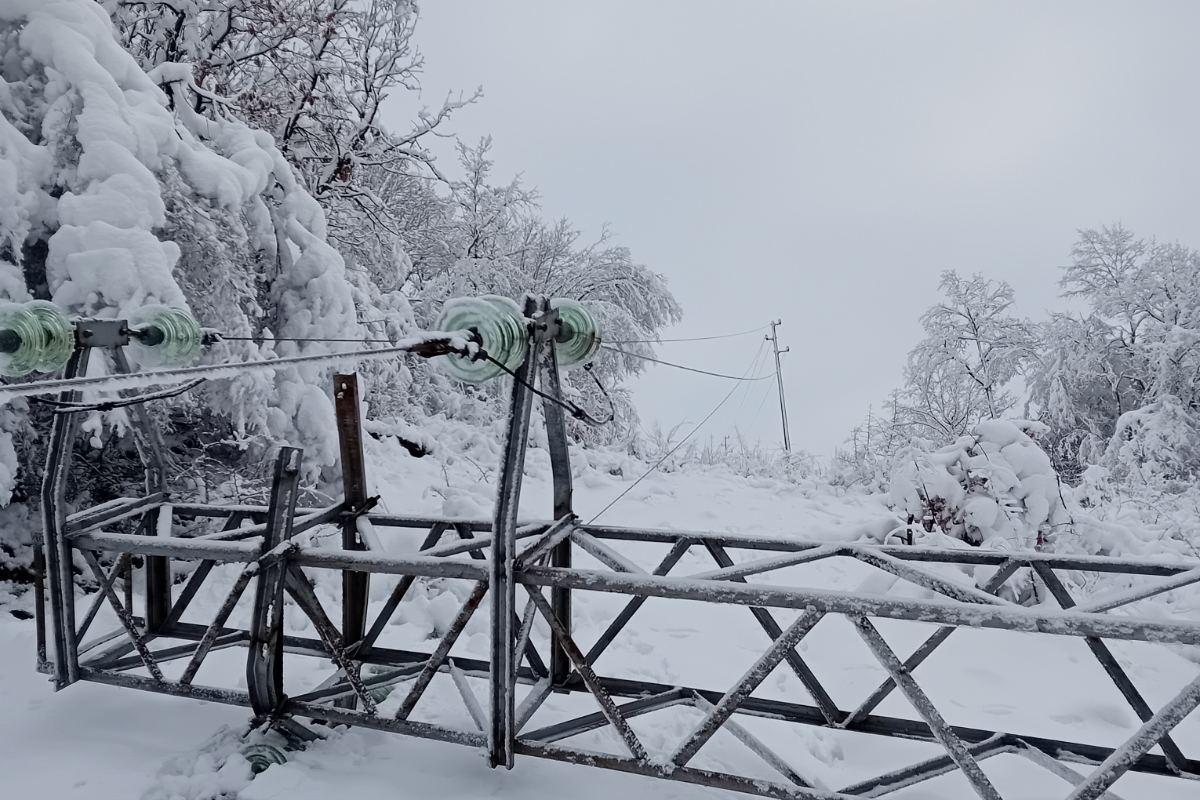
(1113, 715)
(679, 633)
(1067, 719)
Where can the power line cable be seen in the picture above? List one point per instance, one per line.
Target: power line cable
(229, 370)
(673, 450)
(683, 367)
(120, 402)
(690, 338)
(426, 344)
(269, 339)
(220, 337)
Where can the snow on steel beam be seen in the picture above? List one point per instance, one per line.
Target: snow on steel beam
(930, 768)
(173, 547)
(113, 511)
(724, 708)
(423, 730)
(926, 648)
(233, 697)
(956, 749)
(791, 543)
(367, 561)
(700, 777)
(1064, 623)
(783, 711)
(1110, 601)
(1146, 737)
(596, 720)
(771, 563)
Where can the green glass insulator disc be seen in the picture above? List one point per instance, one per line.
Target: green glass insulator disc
(502, 329)
(378, 693)
(579, 338)
(59, 335)
(262, 756)
(22, 340)
(166, 334)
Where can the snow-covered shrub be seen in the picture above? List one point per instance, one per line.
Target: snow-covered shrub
(1157, 445)
(995, 487)
(752, 459)
(1146, 480)
(732, 454)
(856, 467)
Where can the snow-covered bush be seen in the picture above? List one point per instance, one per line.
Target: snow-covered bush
(1157, 445)
(995, 487)
(1146, 480)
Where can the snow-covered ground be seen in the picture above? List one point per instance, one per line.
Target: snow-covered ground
(105, 743)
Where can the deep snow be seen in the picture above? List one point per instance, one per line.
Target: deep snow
(98, 742)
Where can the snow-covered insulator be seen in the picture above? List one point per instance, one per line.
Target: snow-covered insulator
(59, 335)
(378, 692)
(165, 334)
(502, 330)
(263, 755)
(579, 333)
(23, 340)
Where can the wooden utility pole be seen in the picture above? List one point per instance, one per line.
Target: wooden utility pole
(773, 338)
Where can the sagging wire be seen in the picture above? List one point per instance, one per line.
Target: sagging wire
(684, 367)
(690, 338)
(676, 448)
(63, 407)
(229, 370)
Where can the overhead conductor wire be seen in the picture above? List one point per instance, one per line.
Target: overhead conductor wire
(682, 441)
(686, 368)
(458, 341)
(690, 338)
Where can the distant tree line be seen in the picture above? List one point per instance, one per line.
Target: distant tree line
(1116, 384)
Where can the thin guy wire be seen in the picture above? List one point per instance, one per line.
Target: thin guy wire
(758, 411)
(686, 368)
(741, 406)
(576, 411)
(673, 450)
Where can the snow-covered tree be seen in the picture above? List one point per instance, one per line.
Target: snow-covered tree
(231, 159)
(497, 243)
(957, 375)
(130, 202)
(315, 73)
(973, 347)
(1136, 353)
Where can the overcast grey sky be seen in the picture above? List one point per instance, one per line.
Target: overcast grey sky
(823, 162)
